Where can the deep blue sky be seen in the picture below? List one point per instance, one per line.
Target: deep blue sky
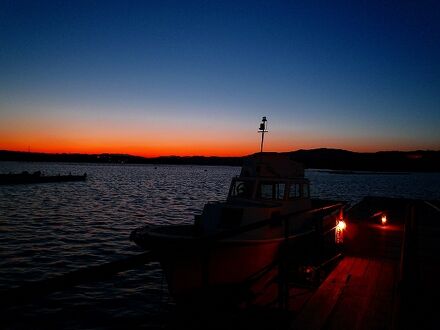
(362, 75)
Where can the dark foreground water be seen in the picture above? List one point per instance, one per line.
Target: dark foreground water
(51, 229)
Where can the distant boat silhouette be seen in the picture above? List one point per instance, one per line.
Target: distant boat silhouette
(36, 177)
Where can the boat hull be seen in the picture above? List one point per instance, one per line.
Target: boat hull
(197, 265)
(191, 268)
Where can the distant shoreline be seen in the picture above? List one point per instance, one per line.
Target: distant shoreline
(335, 161)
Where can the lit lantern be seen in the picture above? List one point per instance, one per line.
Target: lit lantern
(339, 229)
(341, 225)
(384, 219)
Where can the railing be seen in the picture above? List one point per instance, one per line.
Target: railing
(259, 224)
(283, 289)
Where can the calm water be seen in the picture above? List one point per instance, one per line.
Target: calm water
(50, 229)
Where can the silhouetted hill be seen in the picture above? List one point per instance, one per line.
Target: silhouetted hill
(334, 159)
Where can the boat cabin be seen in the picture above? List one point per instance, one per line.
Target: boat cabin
(269, 185)
(269, 176)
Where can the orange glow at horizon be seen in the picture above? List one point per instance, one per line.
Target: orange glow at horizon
(160, 147)
(163, 138)
(164, 145)
(109, 138)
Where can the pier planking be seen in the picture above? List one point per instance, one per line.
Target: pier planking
(370, 288)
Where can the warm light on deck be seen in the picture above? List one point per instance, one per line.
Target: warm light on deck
(384, 219)
(339, 229)
(341, 225)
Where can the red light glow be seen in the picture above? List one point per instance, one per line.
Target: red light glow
(339, 231)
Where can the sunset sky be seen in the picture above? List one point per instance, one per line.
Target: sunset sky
(195, 77)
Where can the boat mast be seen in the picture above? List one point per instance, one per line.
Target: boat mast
(262, 130)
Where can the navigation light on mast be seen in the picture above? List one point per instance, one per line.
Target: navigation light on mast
(262, 130)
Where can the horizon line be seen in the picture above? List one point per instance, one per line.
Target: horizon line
(213, 156)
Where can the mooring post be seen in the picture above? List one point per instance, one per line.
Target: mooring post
(205, 266)
(407, 283)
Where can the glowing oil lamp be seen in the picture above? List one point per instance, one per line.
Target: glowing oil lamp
(384, 219)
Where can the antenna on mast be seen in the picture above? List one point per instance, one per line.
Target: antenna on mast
(262, 130)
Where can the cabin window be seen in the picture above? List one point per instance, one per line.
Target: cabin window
(242, 189)
(306, 191)
(270, 190)
(266, 191)
(294, 191)
(279, 191)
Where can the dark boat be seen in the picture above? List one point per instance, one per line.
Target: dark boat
(36, 177)
(238, 241)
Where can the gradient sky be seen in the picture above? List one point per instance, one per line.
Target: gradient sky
(194, 77)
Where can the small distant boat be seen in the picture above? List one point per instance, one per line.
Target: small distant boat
(37, 177)
(236, 241)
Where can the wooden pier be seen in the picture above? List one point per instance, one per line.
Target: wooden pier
(387, 277)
